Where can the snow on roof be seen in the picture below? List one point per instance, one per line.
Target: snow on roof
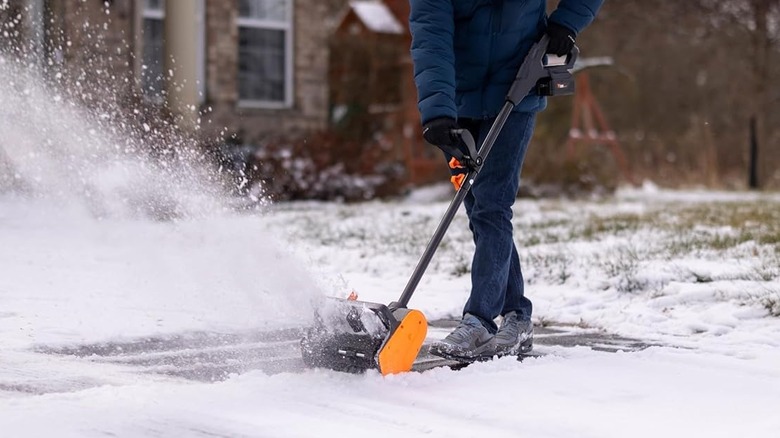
(377, 17)
(598, 61)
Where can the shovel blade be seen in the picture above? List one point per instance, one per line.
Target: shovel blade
(402, 346)
(355, 336)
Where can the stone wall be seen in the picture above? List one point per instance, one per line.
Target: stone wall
(309, 110)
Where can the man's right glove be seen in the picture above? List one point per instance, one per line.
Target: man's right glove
(438, 132)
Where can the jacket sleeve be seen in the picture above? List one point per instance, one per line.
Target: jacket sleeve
(576, 14)
(432, 25)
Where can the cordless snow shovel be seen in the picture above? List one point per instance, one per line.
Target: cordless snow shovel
(354, 336)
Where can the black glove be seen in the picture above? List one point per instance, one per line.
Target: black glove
(438, 132)
(561, 39)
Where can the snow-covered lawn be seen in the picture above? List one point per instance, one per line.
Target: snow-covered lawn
(697, 272)
(682, 268)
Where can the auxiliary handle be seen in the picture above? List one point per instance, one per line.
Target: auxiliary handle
(548, 80)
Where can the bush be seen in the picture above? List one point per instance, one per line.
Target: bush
(311, 169)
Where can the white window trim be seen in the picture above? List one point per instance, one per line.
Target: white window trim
(289, 76)
(153, 14)
(263, 23)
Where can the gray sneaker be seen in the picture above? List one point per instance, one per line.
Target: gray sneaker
(469, 341)
(514, 336)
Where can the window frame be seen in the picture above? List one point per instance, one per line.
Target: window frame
(289, 76)
(153, 14)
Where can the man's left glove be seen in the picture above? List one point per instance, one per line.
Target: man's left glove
(561, 39)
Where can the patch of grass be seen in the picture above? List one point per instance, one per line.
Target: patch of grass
(532, 240)
(769, 269)
(745, 231)
(623, 267)
(544, 322)
(462, 265)
(555, 267)
(772, 304)
(739, 215)
(668, 231)
(543, 225)
(612, 225)
(757, 221)
(572, 229)
(539, 238)
(769, 299)
(700, 240)
(766, 295)
(541, 232)
(771, 238)
(697, 227)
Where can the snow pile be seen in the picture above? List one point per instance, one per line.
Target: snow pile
(573, 393)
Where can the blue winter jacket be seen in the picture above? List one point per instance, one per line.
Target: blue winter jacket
(466, 52)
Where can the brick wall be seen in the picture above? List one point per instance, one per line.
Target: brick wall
(94, 46)
(221, 63)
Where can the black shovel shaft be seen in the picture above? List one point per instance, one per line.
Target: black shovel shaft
(452, 210)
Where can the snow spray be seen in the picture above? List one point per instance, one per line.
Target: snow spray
(139, 217)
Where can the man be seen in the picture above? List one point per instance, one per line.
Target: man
(466, 54)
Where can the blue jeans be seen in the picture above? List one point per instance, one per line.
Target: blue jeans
(496, 277)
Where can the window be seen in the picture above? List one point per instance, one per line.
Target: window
(152, 79)
(265, 53)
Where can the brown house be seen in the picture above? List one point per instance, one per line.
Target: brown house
(253, 69)
(372, 85)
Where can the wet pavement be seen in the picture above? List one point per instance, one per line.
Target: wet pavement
(201, 356)
(210, 357)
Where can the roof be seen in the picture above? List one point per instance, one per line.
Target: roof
(377, 17)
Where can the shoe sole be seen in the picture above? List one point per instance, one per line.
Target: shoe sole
(480, 356)
(524, 347)
(462, 359)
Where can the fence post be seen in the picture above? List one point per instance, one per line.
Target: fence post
(753, 164)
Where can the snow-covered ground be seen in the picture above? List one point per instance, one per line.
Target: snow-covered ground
(102, 248)
(69, 278)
